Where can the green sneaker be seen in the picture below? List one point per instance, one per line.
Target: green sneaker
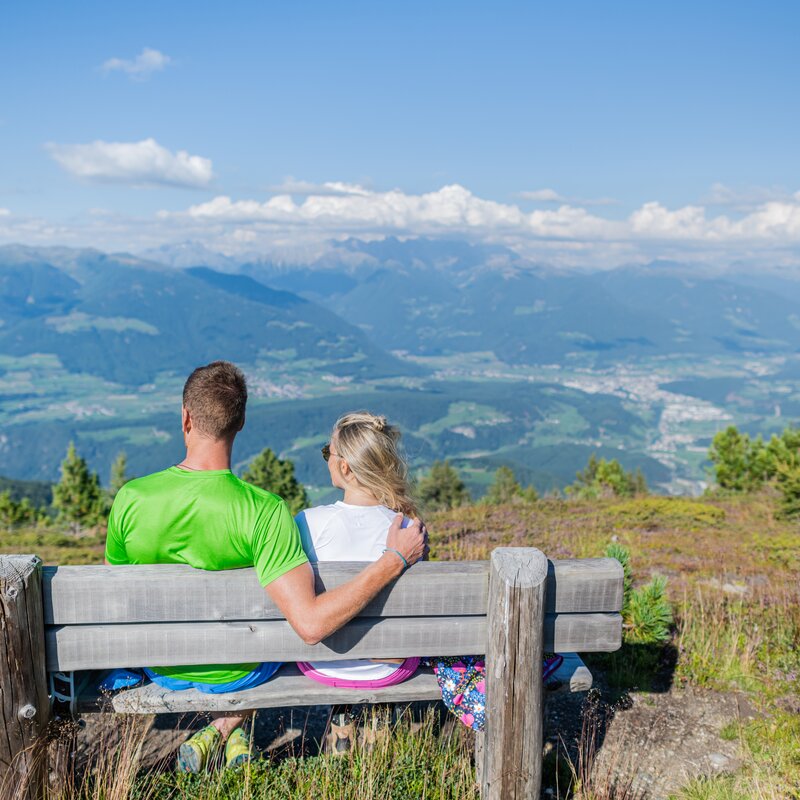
(195, 753)
(238, 750)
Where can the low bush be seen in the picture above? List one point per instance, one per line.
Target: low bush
(662, 512)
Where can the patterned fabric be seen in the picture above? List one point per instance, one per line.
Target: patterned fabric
(462, 680)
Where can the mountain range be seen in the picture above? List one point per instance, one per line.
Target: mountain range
(384, 323)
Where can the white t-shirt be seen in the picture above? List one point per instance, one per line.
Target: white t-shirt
(344, 532)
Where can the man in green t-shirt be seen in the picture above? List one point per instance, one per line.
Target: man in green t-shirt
(199, 513)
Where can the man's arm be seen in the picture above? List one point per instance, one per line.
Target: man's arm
(315, 617)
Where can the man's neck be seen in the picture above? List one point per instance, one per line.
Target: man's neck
(207, 454)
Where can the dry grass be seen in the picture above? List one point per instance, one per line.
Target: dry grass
(732, 567)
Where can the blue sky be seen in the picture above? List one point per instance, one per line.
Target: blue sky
(608, 120)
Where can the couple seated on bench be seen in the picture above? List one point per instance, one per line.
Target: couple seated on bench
(199, 513)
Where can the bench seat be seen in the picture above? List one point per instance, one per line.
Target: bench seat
(289, 687)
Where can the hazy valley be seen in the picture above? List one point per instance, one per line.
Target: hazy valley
(480, 357)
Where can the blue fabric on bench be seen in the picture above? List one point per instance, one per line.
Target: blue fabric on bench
(259, 675)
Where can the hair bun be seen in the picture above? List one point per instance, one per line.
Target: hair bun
(380, 423)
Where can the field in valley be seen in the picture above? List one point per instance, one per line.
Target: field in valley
(656, 414)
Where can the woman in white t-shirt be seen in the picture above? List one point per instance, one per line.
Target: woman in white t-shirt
(364, 461)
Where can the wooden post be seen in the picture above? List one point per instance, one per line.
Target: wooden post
(512, 751)
(23, 684)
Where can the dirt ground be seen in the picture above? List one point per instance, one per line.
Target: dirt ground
(650, 744)
(653, 744)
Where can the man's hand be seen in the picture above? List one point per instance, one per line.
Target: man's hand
(412, 541)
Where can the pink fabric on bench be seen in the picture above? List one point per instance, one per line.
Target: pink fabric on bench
(402, 673)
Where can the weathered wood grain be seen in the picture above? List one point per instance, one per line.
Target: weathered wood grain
(583, 584)
(582, 633)
(24, 706)
(512, 747)
(171, 644)
(178, 593)
(76, 647)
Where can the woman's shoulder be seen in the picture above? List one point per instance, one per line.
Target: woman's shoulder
(317, 515)
(390, 515)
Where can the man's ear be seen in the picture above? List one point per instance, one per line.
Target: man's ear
(186, 420)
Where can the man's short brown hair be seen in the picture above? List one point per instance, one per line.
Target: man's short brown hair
(215, 397)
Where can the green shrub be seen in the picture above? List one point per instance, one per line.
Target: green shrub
(506, 489)
(788, 480)
(276, 475)
(603, 478)
(654, 512)
(78, 496)
(742, 464)
(649, 614)
(442, 488)
(621, 553)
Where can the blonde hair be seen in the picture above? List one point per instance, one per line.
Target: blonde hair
(370, 445)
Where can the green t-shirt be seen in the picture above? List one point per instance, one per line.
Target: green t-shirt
(208, 519)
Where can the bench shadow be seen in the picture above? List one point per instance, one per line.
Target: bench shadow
(576, 725)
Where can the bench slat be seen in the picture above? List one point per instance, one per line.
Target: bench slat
(76, 647)
(290, 688)
(178, 593)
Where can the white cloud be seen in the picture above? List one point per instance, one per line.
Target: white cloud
(543, 196)
(291, 185)
(552, 196)
(141, 67)
(746, 198)
(4, 212)
(452, 207)
(567, 234)
(290, 226)
(144, 163)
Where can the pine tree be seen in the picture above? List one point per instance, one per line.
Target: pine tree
(506, 489)
(14, 513)
(603, 478)
(442, 488)
(276, 475)
(729, 453)
(77, 496)
(646, 611)
(119, 474)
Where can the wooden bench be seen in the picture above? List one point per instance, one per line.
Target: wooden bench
(513, 608)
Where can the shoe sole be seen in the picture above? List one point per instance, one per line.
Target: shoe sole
(189, 760)
(239, 761)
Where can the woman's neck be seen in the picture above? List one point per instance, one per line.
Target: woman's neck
(359, 496)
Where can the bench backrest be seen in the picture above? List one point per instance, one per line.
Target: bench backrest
(98, 617)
